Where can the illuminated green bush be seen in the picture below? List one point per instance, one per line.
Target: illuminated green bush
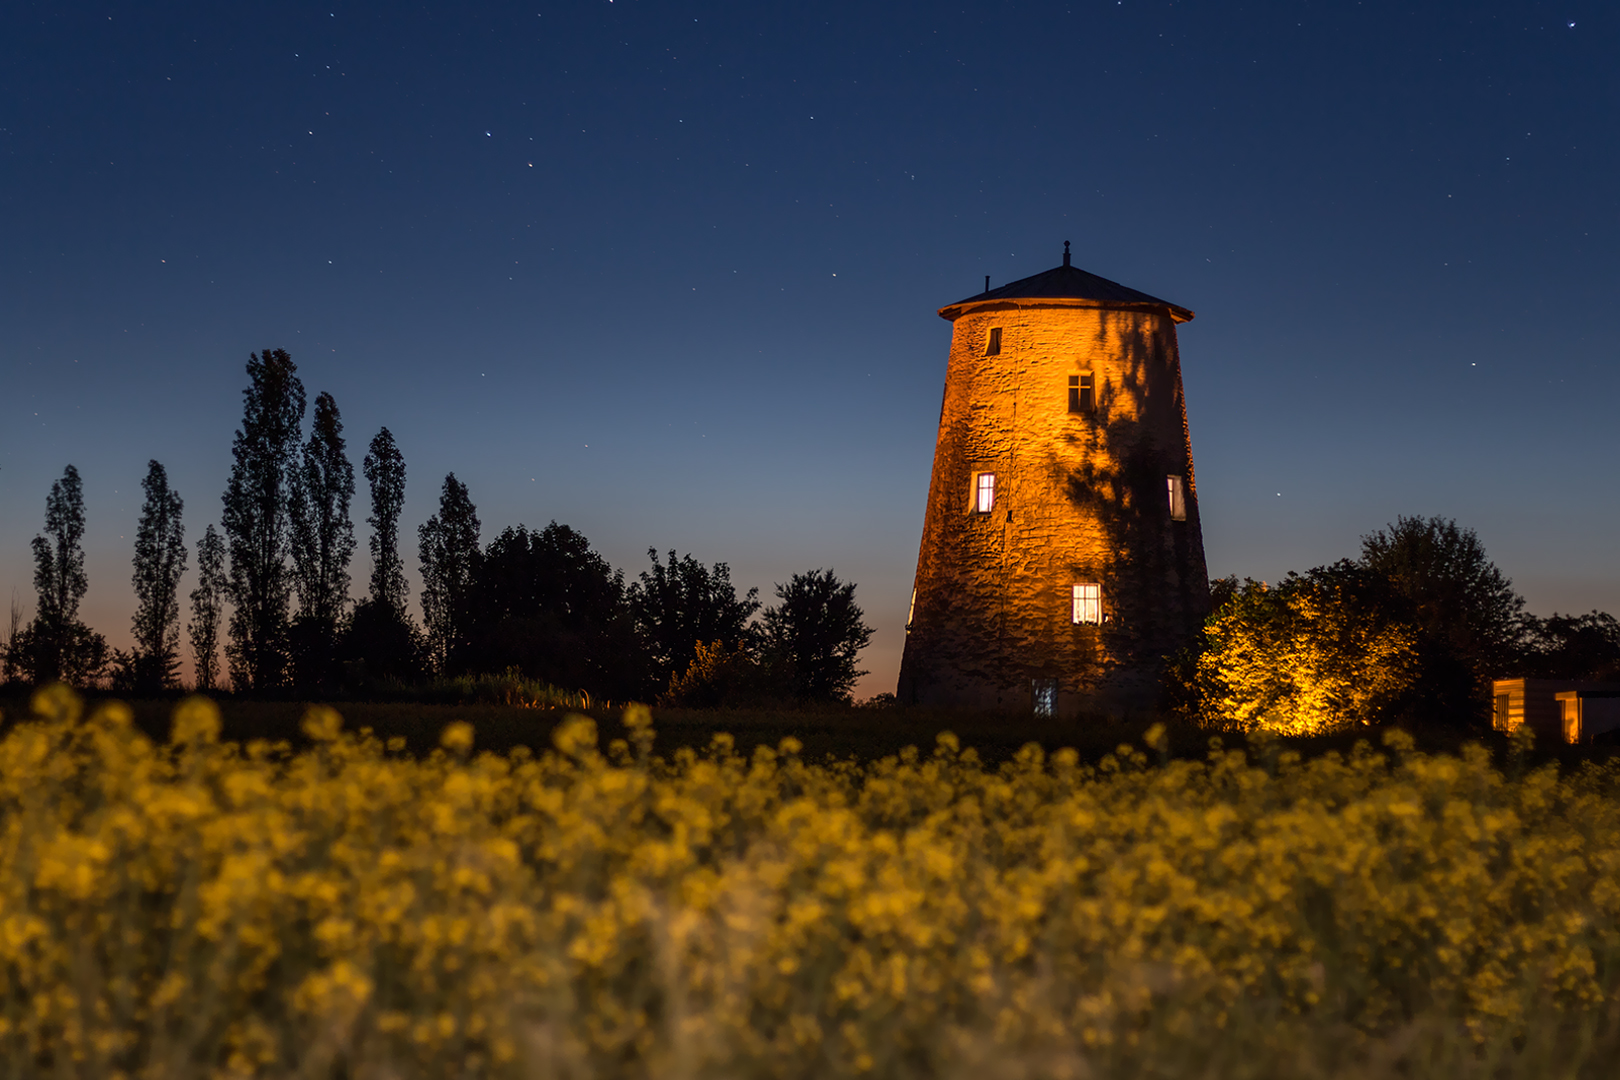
(1310, 656)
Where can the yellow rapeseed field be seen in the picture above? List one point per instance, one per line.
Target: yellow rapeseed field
(208, 909)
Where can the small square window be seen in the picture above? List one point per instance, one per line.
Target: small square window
(1081, 393)
(1178, 498)
(1088, 604)
(1044, 692)
(993, 346)
(984, 492)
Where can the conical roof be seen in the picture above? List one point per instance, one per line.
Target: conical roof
(1068, 282)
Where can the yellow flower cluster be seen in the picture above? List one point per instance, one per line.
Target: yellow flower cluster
(207, 909)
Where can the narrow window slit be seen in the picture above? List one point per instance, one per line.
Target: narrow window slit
(1178, 498)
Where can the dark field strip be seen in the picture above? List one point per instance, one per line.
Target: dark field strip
(863, 734)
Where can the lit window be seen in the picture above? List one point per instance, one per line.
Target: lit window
(1178, 498)
(1088, 604)
(1044, 691)
(993, 346)
(984, 492)
(1081, 394)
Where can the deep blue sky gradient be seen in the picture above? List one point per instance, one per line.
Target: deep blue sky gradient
(668, 272)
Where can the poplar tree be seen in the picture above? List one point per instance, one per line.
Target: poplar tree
(322, 533)
(59, 575)
(322, 545)
(447, 547)
(256, 520)
(385, 472)
(208, 607)
(160, 560)
(9, 657)
(56, 645)
(380, 638)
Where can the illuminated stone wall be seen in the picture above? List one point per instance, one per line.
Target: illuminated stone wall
(1080, 498)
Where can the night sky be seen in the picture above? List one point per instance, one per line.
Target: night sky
(668, 273)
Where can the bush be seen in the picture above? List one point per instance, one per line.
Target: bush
(1415, 629)
(715, 677)
(511, 688)
(1317, 653)
(379, 641)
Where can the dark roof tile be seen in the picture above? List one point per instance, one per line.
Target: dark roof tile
(1068, 282)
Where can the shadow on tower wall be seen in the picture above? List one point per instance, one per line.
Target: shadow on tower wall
(1112, 472)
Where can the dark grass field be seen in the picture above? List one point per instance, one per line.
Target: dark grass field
(840, 732)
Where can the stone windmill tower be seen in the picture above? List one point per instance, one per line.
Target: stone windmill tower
(1061, 553)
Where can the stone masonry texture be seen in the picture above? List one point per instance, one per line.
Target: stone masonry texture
(1079, 498)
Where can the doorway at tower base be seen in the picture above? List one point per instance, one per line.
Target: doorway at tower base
(1120, 694)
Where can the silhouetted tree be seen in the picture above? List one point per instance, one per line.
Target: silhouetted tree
(547, 604)
(322, 534)
(56, 645)
(322, 545)
(59, 576)
(811, 638)
(1574, 647)
(684, 604)
(208, 607)
(160, 560)
(447, 547)
(380, 640)
(385, 472)
(1470, 623)
(14, 629)
(256, 520)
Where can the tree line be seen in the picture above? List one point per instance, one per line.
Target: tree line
(273, 588)
(1415, 629)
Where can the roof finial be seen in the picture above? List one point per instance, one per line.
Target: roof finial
(987, 283)
(1065, 253)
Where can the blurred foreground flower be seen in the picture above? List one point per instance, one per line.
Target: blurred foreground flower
(207, 909)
